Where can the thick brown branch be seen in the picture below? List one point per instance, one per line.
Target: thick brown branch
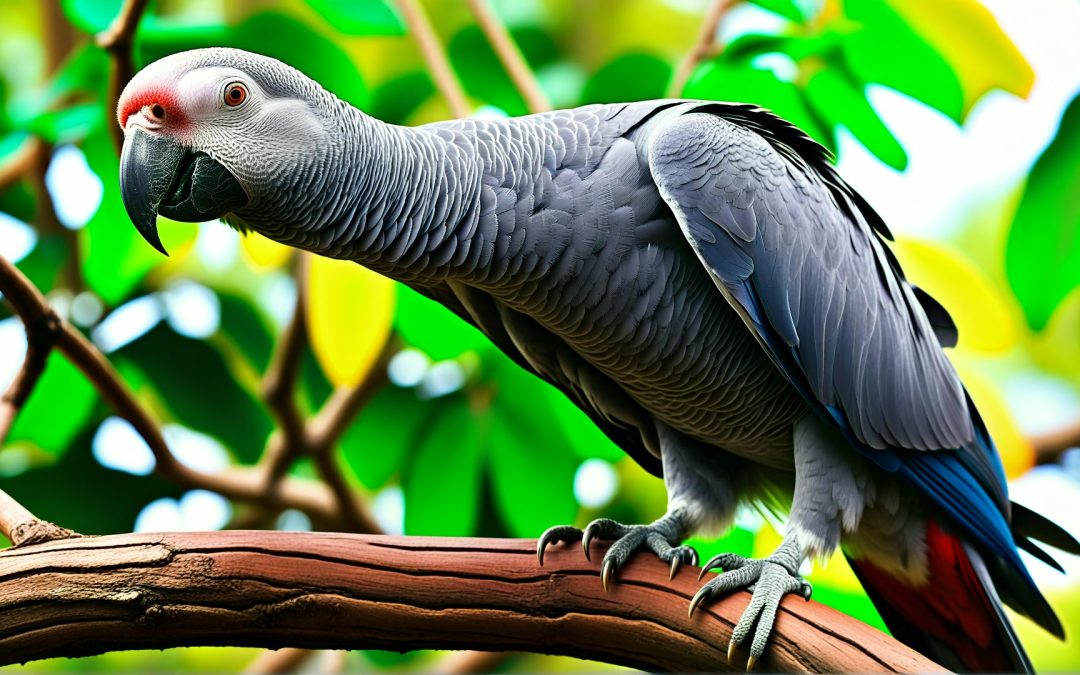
(439, 66)
(1049, 447)
(703, 47)
(510, 56)
(336, 591)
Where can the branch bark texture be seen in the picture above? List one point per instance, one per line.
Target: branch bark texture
(273, 589)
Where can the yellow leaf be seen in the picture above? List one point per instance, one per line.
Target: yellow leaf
(263, 252)
(350, 311)
(970, 39)
(985, 320)
(1016, 452)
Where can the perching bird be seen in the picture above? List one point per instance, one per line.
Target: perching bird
(694, 275)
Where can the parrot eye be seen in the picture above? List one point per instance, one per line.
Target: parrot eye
(235, 94)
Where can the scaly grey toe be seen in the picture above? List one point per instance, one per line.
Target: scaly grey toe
(555, 535)
(769, 579)
(663, 537)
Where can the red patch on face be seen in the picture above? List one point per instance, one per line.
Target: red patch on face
(134, 101)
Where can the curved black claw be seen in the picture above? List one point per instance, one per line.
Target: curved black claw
(555, 535)
(662, 538)
(770, 581)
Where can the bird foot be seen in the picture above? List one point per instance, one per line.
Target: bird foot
(769, 580)
(661, 537)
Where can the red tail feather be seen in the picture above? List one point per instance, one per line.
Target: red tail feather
(953, 608)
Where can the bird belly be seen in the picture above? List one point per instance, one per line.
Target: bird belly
(654, 322)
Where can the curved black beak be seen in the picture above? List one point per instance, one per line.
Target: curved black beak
(148, 166)
(158, 175)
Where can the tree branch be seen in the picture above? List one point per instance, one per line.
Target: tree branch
(279, 390)
(703, 47)
(118, 39)
(19, 164)
(1050, 446)
(336, 591)
(241, 484)
(510, 56)
(23, 528)
(439, 66)
(42, 329)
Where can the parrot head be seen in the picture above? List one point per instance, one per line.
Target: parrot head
(215, 133)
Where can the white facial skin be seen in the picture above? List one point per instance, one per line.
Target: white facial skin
(259, 140)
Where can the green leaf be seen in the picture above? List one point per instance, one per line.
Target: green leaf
(788, 9)
(839, 101)
(67, 125)
(395, 100)
(585, 437)
(442, 485)
(75, 490)
(750, 45)
(981, 54)
(388, 430)
(43, 265)
(532, 463)
(195, 385)
(70, 107)
(887, 51)
(91, 16)
(57, 409)
(727, 80)
(360, 17)
(1042, 254)
(304, 48)
(482, 74)
(247, 329)
(434, 329)
(630, 77)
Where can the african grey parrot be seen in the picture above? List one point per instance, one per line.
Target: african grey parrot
(693, 274)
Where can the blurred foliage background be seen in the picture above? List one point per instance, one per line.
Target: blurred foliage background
(955, 118)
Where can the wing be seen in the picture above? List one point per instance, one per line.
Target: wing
(800, 255)
(621, 419)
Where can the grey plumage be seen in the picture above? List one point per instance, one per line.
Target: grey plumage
(692, 274)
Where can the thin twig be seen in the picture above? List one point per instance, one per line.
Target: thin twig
(335, 416)
(472, 662)
(353, 509)
(237, 483)
(441, 72)
(23, 528)
(1050, 446)
(117, 39)
(273, 661)
(40, 338)
(334, 661)
(703, 48)
(279, 390)
(19, 163)
(510, 56)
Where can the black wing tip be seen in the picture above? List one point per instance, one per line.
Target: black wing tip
(1029, 524)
